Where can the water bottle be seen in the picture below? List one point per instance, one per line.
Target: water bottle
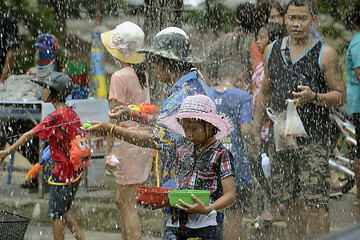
(265, 163)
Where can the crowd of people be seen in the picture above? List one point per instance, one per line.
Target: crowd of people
(212, 130)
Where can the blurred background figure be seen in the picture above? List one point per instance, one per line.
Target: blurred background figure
(9, 43)
(352, 21)
(234, 46)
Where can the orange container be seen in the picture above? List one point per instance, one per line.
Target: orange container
(154, 195)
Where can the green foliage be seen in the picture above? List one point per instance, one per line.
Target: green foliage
(216, 17)
(343, 46)
(331, 32)
(335, 8)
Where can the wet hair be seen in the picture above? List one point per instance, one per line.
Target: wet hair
(278, 7)
(245, 16)
(352, 17)
(262, 13)
(175, 65)
(275, 31)
(203, 123)
(140, 70)
(300, 3)
(214, 131)
(55, 94)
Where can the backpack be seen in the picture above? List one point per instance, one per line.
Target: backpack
(80, 153)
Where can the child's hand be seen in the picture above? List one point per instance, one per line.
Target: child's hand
(3, 155)
(98, 128)
(111, 168)
(121, 113)
(199, 207)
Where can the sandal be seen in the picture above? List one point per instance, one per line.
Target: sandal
(262, 223)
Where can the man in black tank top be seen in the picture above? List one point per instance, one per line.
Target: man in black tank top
(301, 67)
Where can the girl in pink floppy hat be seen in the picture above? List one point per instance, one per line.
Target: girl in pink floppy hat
(202, 164)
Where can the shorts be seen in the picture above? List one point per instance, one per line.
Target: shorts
(61, 198)
(243, 198)
(205, 233)
(302, 174)
(356, 122)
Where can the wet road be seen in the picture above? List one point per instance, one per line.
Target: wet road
(99, 216)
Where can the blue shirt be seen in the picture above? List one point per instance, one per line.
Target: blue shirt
(353, 62)
(235, 105)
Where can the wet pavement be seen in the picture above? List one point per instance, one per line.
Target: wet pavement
(99, 217)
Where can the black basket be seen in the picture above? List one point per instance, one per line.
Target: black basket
(12, 226)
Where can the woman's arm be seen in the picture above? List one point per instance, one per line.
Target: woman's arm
(138, 137)
(110, 140)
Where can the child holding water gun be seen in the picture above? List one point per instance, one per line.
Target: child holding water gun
(64, 180)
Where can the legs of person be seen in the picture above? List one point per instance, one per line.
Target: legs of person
(297, 220)
(234, 214)
(314, 189)
(272, 207)
(319, 221)
(60, 201)
(233, 224)
(125, 201)
(356, 118)
(73, 226)
(58, 228)
(302, 218)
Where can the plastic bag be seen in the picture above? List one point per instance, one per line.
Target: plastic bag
(282, 141)
(293, 123)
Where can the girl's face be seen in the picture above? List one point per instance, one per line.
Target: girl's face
(194, 130)
(45, 93)
(262, 39)
(161, 71)
(276, 17)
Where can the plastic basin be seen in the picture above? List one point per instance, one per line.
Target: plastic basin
(154, 195)
(185, 195)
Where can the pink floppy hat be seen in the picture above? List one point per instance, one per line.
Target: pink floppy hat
(199, 107)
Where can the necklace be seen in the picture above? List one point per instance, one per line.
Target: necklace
(303, 51)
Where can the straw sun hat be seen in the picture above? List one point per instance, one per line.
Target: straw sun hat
(199, 107)
(124, 41)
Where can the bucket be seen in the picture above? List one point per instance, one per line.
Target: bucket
(185, 196)
(156, 196)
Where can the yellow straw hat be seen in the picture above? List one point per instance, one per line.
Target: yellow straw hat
(124, 41)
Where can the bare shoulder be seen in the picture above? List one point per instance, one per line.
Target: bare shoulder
(329, 56)
(266, 53)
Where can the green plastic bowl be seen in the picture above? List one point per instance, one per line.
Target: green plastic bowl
(185, 195)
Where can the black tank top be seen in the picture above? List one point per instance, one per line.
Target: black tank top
(314, 118)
